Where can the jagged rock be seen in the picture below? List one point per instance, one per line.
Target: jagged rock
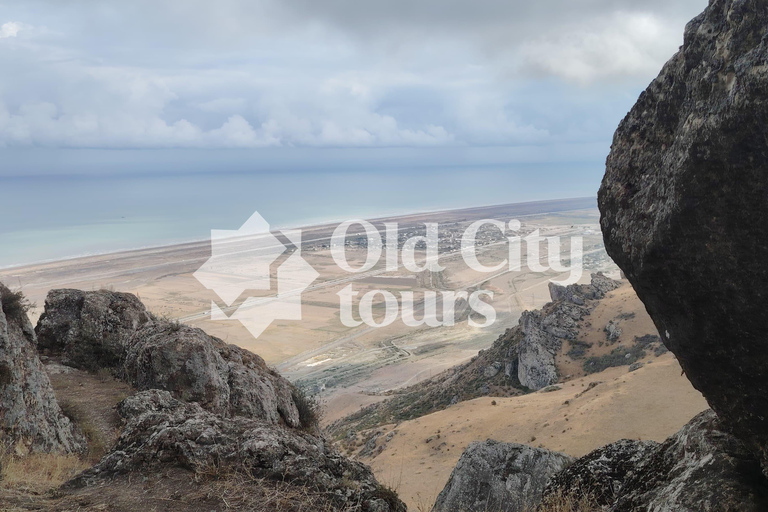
(161, 431)
(196, 367)
(684, 206)
(114, 330)
(30, 417)
(702, 467)
(89, 329)
(504, 477)
(545, 330)
(612, 331)
(601, 474)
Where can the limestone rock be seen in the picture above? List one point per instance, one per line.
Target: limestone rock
(89, 329)
(544, 330)
(684, 206)
(702, 467)
(161, 431)
(30, 417)
(196, 367)
(506, 477)
(601, 474)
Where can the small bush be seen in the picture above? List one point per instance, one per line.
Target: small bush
(309, 408)
(620, 356)
(578, 349)
(15, 304)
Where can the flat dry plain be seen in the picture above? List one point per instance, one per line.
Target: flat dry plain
(348, 366)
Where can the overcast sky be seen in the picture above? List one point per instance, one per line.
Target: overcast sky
(542, 79)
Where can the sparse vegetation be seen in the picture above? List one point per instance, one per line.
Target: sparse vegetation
(97, 445)
(15, 304)
(578, 349)
(39, 472)
(620, 356)
(309, 408)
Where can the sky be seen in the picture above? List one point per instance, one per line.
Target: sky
(146, 86)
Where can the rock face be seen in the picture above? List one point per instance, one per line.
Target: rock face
(196, 367)
(104, 329)
(545, 330)
(30, 417)
(89, 329)
(602, 473)
(505, 477)
(684, 206)
(162, 431)
(702, 467)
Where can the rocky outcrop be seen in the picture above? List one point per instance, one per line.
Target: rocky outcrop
(104, 329)
(684, 206)
(545, 330)
(702, 467)
(601, 474)
(161, 431)
(30, 417)
(196, 367)
(506, 477)
(89, 329)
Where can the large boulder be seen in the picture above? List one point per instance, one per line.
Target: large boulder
(161, 431)
(89, 329)
(601, 474)
(30, 418)
(684, 206)
(702, 467)
(504, 477)
(104, 329)
(222, 378)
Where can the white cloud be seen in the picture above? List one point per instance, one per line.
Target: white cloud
(624, 44)
(10, 29)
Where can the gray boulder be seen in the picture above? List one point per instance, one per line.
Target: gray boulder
(30, 418)
(684, 206)
(601, 474)
(161, 431)
(104, 329)
(222, 378)
(504, 477)
(702, 467)
(89, 329)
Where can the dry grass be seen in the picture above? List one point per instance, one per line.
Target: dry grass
(239, 490)
(97, 445)
(560, 502)
(39, 472)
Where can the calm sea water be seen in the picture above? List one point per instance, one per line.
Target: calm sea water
(54, 217)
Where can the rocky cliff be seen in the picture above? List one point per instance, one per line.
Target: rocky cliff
(684, 206)
(30, 418)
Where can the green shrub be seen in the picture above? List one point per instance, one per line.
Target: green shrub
(15, 304)
(309, 408)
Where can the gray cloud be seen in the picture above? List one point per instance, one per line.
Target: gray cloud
(337, 73)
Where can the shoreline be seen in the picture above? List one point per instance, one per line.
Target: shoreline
(192, 243)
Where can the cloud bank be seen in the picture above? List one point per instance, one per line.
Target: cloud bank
(337, 73)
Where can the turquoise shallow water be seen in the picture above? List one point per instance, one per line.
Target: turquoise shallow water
(55, 217)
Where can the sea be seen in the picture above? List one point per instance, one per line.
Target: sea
(60, 216)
